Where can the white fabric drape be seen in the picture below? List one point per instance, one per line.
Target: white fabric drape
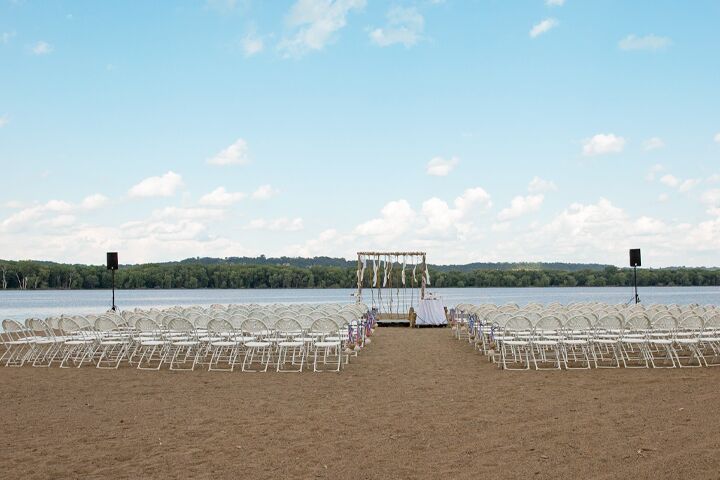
(375, 272)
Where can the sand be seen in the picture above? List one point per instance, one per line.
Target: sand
(415, 404)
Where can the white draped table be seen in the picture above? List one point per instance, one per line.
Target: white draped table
(431, 312)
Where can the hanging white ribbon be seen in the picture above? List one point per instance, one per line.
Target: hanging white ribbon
(403, 270)
(375, 272)
(427, 276)
(385, 273)
(362, 270)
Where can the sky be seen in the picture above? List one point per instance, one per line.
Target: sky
(527, 130)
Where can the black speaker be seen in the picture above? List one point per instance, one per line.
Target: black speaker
(112, 261)
(635, 257)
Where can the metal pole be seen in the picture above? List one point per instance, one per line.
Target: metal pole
(113, 289)
(637, 299)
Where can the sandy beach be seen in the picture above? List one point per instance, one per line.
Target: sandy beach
(414, 404)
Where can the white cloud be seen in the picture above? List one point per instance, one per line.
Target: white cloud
(538, 185)
(5, 37)
(713, 178)
(404, 25)
(653, 143)
(252, 44)
(436, 219)
(93, 202)
(4, 120)
(180, 213)
(264, 192)
(316, 22)
(440, 167)
(543, 27)
(235, 154)
(717, 137)
(396, 218)
(221, 198)
(670, 180)
(163, 186)
(329, 241)
(712, 197)
(473, 198)
(654, 171)
(41, 48)
(14, 204)
(278, 224)
(520, 206)
(602, 143)
(663, 197)
(554, 3)
(53, 213)
(647, 42)
(689, 184)
(60, 221)
(439, 220)
(681, 185)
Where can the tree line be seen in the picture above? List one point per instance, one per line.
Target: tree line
(35, 275)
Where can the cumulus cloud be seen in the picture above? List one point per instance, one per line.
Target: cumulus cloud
(93, 202)
(520, 206)
(278, 224)
(41, 48)
(221, 198)
(396, 218)
(554, 3)
(440, 167)
(163, 186)
(538, 185)
(602, 144)
(439, 220)
(404, 25)
(647, 42)
(316, 22)
(653, 143)
(603, 232)
(235, 154)
(543, 27)
(264, 192)
(51, 213)
(435, 220)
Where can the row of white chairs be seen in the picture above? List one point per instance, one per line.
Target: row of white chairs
(592, 335)
(183, 338)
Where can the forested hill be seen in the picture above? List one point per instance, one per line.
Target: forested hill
(301, 262)
(321, 272)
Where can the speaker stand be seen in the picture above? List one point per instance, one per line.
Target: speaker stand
(113, 291)
(637, 298)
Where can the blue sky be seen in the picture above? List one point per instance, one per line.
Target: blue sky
(476, 130)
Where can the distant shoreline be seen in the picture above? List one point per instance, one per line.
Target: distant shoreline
(322, 274)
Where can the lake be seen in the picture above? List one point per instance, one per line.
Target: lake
(43, 303)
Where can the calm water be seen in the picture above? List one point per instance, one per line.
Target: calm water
(24, 304)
